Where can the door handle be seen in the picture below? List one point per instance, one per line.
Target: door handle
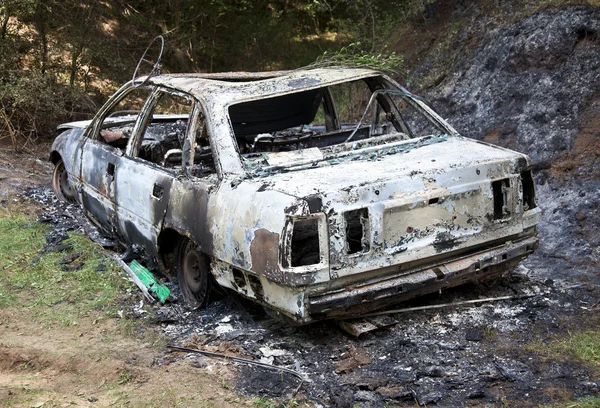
(157, 191)
(110, 169)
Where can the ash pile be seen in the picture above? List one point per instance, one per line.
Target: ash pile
(450, 356)
(62, 218)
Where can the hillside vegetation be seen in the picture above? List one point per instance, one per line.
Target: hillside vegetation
(59, 59)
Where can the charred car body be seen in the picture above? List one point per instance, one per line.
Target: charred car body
(318, 193)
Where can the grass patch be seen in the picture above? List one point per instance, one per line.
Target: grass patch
(584, 346)
(44, 287)
(585, 402)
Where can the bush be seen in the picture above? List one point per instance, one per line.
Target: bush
(33, 104)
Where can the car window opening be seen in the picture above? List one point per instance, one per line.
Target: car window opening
(117, 126)
(324, 117)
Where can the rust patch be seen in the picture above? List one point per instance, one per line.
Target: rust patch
(264, 251)
(102, 188)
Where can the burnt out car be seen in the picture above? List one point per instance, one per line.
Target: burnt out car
(318, 193)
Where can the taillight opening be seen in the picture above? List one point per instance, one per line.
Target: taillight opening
(528, 190)
(357, 222)
(305, 243)
(500, 191)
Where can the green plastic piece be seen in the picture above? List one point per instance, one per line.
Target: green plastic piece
(149, 281)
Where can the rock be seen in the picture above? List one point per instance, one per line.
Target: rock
(395, 392)
(364, 396)
(474, 335)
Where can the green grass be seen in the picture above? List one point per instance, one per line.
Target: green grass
(576, 345)
(44, 287)
(585, 402)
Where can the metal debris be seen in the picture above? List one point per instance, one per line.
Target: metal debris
(377, 320)
(302, 377)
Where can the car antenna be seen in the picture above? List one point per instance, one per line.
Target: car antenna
(156, 65)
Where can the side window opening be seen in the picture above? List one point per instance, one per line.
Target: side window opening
(117, 126)
(175, 134)
(418, 124)
(203, 164)
(163, 138)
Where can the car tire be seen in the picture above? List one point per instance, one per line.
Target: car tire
(60, 183)
(193, 274)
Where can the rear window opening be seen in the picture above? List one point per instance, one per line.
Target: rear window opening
(357, 222)
(305, 243)
(328, 116)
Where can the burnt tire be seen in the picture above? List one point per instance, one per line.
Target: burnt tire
(193, 274)
(60, 183)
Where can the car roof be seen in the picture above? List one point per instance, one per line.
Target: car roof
(231, 87)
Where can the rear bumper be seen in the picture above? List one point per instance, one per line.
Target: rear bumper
(377, 293)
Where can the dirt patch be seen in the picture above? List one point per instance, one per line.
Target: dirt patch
(584, 155)
(92, 363)
(19, 171)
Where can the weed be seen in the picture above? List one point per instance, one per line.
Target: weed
(265, 402)
(354, 55)
(583, 345)
(125, 377)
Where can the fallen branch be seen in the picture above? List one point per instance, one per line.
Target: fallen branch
(464, 302)
(239, 360)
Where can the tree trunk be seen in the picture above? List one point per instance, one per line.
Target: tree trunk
(74, 58)
(5, 24)
(44, 56)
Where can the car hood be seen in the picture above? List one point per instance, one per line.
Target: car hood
(451, 162)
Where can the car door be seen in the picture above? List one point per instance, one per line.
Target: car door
(147, 170)
(101, 155)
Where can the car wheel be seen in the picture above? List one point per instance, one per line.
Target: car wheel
(60, 183)
(193, 273)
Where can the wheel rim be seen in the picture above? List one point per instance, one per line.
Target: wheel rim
(61, 185)
(193, 275)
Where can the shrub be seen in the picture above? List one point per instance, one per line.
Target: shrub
(32, 104)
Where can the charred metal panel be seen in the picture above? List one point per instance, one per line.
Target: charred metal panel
(98, 163)
(188, 210)
(246, 225)
(142, 196)
(264, 251)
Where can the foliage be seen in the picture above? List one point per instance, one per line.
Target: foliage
(353, 55)
(56, 56)
(32, 104)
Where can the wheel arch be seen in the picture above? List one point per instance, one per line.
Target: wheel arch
(55, 157)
